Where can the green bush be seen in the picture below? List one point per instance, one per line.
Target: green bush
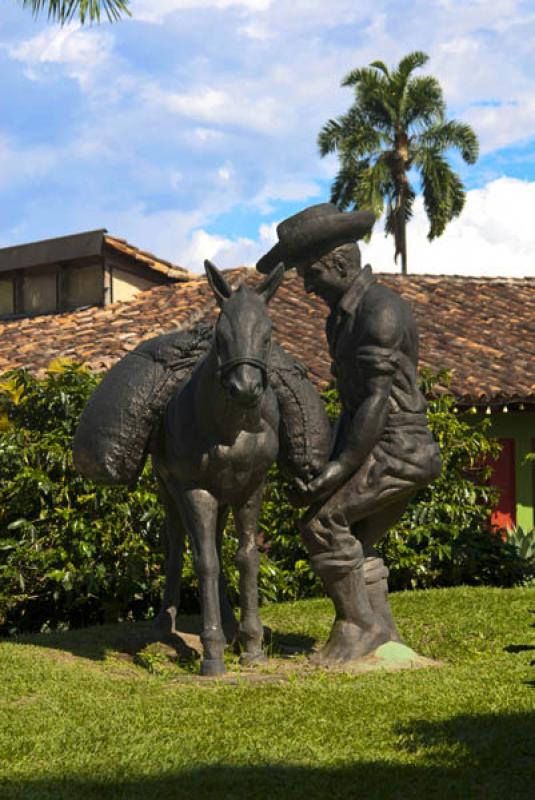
(444, 538)
(72, 553)
(423, 549)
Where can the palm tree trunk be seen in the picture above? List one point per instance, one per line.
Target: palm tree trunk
(398, 167)
(403, 241)
(400, 235)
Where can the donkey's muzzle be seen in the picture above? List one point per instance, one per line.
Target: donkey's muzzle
(245, 379)
(246, 391)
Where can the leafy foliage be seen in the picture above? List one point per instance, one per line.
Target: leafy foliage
(444, 537)
(523, 541)
(70, 552)
(66, 10)
(397, 123)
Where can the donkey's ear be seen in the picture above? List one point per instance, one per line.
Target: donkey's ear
(267, 288)
(220, 287)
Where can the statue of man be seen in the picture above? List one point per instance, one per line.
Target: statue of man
(383, 451)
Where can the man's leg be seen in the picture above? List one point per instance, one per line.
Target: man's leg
(337, 557)
(369, 531)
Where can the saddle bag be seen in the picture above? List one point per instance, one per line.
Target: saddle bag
(304, 431)
(112, 440)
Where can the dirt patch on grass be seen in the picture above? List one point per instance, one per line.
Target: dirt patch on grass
(177, 657)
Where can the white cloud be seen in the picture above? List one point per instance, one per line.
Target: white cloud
(226, 252)
(207, 134)
(165, 232)
(286, 189)
(225, 172)
(234, 104)
(79, 51)
(256, 30)
(503, 124)
(494, 235)
(219, 108)
(156, 11)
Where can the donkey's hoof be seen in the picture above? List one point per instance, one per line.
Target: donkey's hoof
(248, 659)
(211, 667)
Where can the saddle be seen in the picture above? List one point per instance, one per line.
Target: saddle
(116, 429)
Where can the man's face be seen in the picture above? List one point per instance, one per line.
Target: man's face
(323, 279)
(315, 276)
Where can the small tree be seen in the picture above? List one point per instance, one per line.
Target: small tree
(397, 123)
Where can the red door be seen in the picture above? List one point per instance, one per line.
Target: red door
(503, 476)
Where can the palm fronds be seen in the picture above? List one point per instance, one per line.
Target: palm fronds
(423, 102)
(443, 191)
(63, 11)
(454, 134)
(396, 122)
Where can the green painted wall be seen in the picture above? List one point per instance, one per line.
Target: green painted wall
(519, 426)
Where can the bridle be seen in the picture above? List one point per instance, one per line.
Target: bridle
(252, 361)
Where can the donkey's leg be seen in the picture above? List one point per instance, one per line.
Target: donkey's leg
(174, 540)
(198, 509)
(247, 559)
(230, 623)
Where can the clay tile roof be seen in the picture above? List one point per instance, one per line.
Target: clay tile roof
(481, 329)
(148, 259)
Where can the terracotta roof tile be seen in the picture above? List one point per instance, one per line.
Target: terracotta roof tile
(148, 259)
(481, 329)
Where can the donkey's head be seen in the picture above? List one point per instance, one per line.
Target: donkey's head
(243, 334)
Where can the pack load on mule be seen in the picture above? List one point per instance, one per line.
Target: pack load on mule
(114, 435)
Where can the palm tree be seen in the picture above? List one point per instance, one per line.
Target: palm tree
(66, 10)
(397, 123)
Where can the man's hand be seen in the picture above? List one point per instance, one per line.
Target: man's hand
(323, 485)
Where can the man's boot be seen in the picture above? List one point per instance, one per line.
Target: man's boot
(337, 558)
(376, 577)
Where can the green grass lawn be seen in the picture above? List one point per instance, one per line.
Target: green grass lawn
(78, 721)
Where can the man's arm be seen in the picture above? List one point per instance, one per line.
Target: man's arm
(378, 359)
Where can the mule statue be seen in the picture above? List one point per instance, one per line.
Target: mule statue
(218, 439)
(214, 409)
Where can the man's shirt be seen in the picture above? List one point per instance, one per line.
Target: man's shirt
(372, 332)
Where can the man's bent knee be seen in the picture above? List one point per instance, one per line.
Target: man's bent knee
(332, 547)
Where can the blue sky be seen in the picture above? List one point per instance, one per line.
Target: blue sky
(191, 128)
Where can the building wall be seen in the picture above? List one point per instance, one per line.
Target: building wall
(520, 427)
(126, 284)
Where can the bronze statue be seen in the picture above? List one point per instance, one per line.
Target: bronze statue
(207, 404)
(383, 451)
(214, 408)
(218, 439)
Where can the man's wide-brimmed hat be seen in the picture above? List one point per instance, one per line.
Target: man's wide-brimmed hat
(313, 233)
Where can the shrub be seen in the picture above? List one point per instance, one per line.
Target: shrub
(445, 529)
(71, 552)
